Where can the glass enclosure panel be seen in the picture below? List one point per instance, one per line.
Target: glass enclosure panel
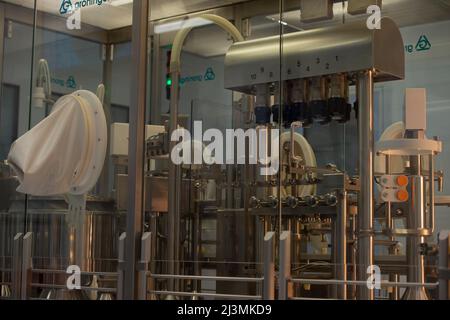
(282, 142)
(212, 193)
(14, 121)
(74, 67)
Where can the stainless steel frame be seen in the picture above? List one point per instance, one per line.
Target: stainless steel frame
(136, 147)
(366, 179)
(444, 265)
(377, 66)
(347, 48)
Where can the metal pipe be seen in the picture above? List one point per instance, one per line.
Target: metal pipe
(416, 221)
(173, 205)
(269, 266)
(63, 286)
(294, 158)
(16, 266)
(341, 245)
(284, 287)
(136, 145)
(83, 273)
(444, 265)
(364, 283)
(211, 295)
(431, 194)
(310, 299)
(213, 278)
(121, 266)
(146, 253)
(388, 204)
(366, 175)
(394, 295)
(26, 264)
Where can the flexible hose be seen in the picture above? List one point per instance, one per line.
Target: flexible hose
(44, 79)
(175, 62)
(101, 93)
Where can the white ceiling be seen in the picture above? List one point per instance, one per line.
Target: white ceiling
(404, 12)
(107, 16)
(110, 16)
(211, 41)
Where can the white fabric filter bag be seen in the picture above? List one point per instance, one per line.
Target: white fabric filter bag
(64, 153)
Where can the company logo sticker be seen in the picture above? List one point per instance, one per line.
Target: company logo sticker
(210, 75)
(66, 7)
(423, 44)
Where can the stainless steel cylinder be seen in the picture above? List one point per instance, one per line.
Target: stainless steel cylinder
(341, 246)
(366, 177)
(414, 243)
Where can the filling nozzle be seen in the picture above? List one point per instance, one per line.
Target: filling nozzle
(319, 100)
(262, 104)
(299, 110)
(338, 106)
(280, 94)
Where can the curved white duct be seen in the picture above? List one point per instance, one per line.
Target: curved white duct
(64, 153)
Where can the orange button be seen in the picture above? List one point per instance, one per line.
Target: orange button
(402, 195)
(402, 181)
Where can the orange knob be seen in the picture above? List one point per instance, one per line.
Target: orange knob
(402, 195)
(402, 181)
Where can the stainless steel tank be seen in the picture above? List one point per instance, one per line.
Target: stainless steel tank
(54, 243)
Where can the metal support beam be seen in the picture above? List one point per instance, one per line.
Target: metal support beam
(269, 266)
(444, 265)
(108, 56)
(173, 242)
(365, 197)
(27, 262)
(136, 146)
(341, 245)
(16, 266)
(121, 266)
(284, 285)
(146, 253)
(2, 43)
(156, 79)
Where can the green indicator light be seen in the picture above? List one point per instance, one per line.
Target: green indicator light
(169, 82)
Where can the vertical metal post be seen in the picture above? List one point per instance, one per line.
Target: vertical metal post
(269, 266)
(284, 287)
(26, 265)
(121, 266)
(2, 43)
(341, 245)
(444, 265)
(104, 180)
(394, 294)
(136, 145)
(146, 253)
(16, 266)
(414, 242)
(156, 79)
(174, 187)
(366, 177)
(354, 258)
